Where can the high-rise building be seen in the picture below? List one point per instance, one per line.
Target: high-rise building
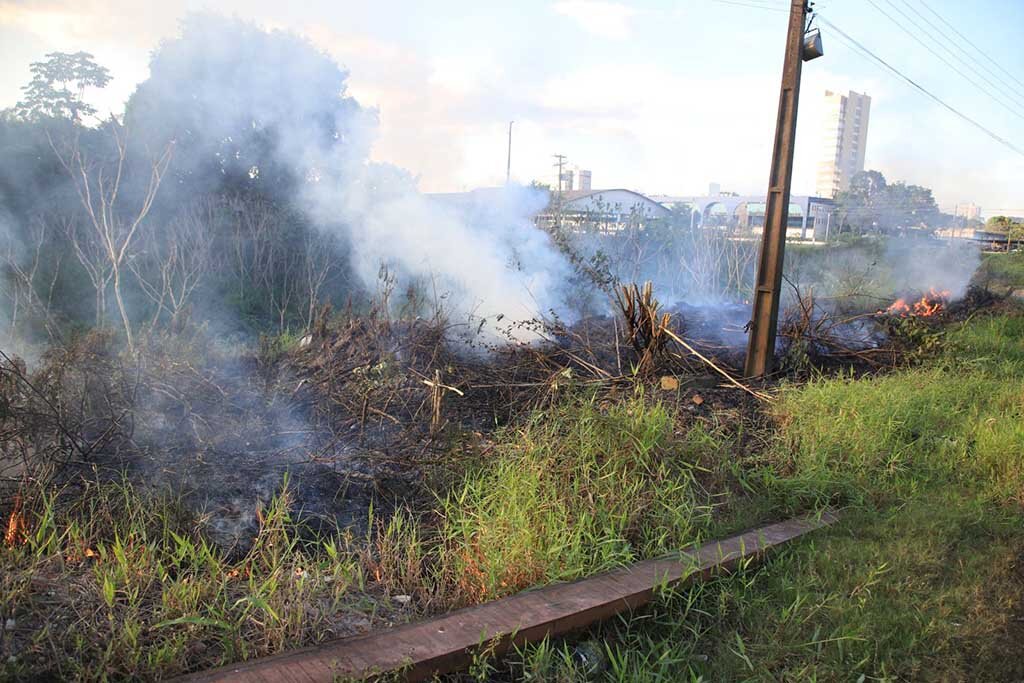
(844, 143)
(584, 176)
(567, 180)
(971, 212)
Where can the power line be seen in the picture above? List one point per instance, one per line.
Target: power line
(969, 42)
(1003, 83)
(945, 61)
(857, 46)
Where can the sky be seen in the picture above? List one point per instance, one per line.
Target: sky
(657, 96)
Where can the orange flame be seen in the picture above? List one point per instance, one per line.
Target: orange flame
(15, 533)
(928, 305)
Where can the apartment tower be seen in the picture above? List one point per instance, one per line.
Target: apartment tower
(844, 143)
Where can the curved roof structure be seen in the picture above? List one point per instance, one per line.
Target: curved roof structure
(615, 200)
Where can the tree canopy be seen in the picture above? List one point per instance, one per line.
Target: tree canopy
(1013, 228)
(875, 205)
(57, 88)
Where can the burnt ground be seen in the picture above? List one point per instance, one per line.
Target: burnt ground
(362, 412)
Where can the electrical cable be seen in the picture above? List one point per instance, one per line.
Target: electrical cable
(1009, 107)
(969, 42)
(865, 51)
(951, 40)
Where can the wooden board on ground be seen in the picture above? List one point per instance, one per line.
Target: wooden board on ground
(446, 643)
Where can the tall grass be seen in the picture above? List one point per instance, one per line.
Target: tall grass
(578, 489)
(921, 579)
(114, 583)
(1002, 271)
(956, 421)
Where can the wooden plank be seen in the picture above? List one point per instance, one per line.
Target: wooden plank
(446, 643)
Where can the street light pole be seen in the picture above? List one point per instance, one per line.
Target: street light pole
(765, 318)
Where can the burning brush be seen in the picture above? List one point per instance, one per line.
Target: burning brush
(15, 532)
(929, 304)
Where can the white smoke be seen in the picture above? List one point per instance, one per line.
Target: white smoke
(922, 265)
(12, 252)
(487, 258)
(486, 262)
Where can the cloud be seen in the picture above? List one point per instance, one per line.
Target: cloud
(599, 17)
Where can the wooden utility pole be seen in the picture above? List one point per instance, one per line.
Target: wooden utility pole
(560, 165)
(765, 319)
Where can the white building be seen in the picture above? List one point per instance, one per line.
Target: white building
(845, 141)
(971, 211)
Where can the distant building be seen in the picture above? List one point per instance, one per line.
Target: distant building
(714, 189)
(971, 211)
(601, 211)
(809, 217)
(844, 143)
(584, 176)
(567, 180)
(606, 211)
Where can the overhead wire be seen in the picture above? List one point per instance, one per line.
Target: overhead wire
(857, 46)
(948, 40)
(984, 53)
(1009, 107)
(863, 51)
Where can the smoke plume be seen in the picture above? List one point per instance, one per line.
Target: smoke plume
(273, 110)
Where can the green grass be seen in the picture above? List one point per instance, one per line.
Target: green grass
(137, 593)
(118, 584)
(922, 578)
(1002, 271)
(579, 488)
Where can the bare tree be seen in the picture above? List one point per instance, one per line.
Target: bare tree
(113, 226)
(282, 278)
(173, 262)
(320, 263)
(92, 256)
(27, 287)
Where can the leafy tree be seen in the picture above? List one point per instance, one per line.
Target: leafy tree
(57, 89)
(909, 206)
(1005, 225)
(872, 204)
(861, 203)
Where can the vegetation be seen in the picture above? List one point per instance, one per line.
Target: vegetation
(185, 316)
(1013, 228)
(578, 489)
(917, 582)
(872, 204)
(1001, 272)
(920, 580)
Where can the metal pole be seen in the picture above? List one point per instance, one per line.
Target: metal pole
(508, 166)
(761, 345)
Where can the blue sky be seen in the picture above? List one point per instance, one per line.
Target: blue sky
(662, 97)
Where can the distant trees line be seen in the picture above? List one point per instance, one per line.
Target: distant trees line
(1012, 227)
(872, 204)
